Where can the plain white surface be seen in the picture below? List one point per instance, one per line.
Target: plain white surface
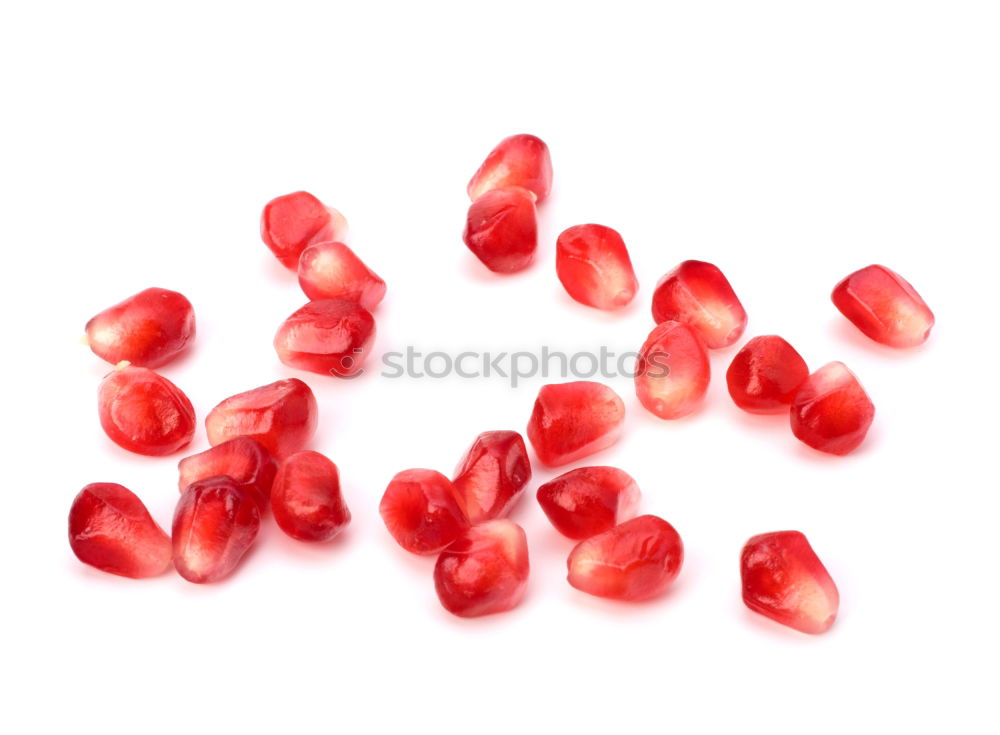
(790, 143)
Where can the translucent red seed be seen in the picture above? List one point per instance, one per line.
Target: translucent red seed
(672, 372)
(699, 295)
(329, 337)
(501, 229)
(306, 499)
(148, 329)
(831, 411)
(144, 412)
(589, 500)
(520, 160)
(491, 476)
(282, 416)
(290, 223)
(765, 375)
(574, 420)
(883, 305)
(594, 267)
(420, 511)
(331, 270)
(243, 459)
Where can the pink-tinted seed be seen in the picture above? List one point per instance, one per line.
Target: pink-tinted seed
(672, 372)
(699, 295)
(594, 267)
(331, 270)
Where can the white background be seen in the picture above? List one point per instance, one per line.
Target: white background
(789, 143)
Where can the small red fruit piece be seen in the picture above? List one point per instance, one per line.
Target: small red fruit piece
(244, 460)
(831, 411)
(594, 267)
(589, 500)
(148, 329)
(697, 294)
(784, 580)
(520, 160)
(672, 372)
(282, 416)
(420, 511)
(573, 420)
(291, 223)
(110, 529)
(634, 561)
(144, 412)
(484, 571)
(329, 337)
(215, 523)
(502, 230)
(306, 499)
(331, 270)
(883, 305)
(765, 375)
(491, 476)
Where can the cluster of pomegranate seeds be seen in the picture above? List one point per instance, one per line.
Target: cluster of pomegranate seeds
(331, 270)
(148, 329)
(293, 222)
(282, 416)
(243, 459)
(765, 375)
(420, 511)
(328, 336)
(571, 421)
(491, 476)
(831, 411)
(699, 295)
(672, 372)
(589, 500)
(144, 412)
(306, 498)
(883, 305)
(594, 267)
(501, 229)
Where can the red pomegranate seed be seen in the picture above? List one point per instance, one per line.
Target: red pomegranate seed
(831, 411)
(672, 371)
(502, 230)
(244, 460)
(594, 268)
(144, 412)
(784, 580)
(520, 160)
(420, 511)
(306, 498)
(110, 529)
(329, 337)
(291, 223)
(148, 329)
(484, 571)
(634, 561)
(215, 524)
(765, 375)
(331, 270)
(883, 305)
(573, 420)
(282, 416)
(491, 476)
(698, 295)
(589, 500)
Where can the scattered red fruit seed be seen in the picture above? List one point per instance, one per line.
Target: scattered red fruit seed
(502, 229)
(329, 337)
(244, 460)
(594, 268)
(698, 295)
(282, 416)
(148, 329)
(831, 411)
(520, 160)
(331, 270)
(672, 372)
(484, 571)
(634, 561)
(420, 511)
(589, 500)
(144, 412)
(491, 476)
(573, 420)
(215, 523)
(784, 580)
(306, 499)
(290, 223)
(884, 306)
(110, 529)
(765, 375)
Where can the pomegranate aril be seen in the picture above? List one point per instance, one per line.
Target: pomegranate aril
(520, 160)
(148, 329)
(144, 412)
(244, 460)
(883, 305)
(306, 498)
(672, 372)
(594, 267)
(215, 524)
(634, 561)
(784, 580)
(491, 476)
(420, 511)
(484, 571)
(328, 336)
(110, 529)
(574, 420)
(282, 416)
(501, 229)
(698, 295)
(831, 411)
(765, 375)
(331, 270)
(290, 223)
(589, 500)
